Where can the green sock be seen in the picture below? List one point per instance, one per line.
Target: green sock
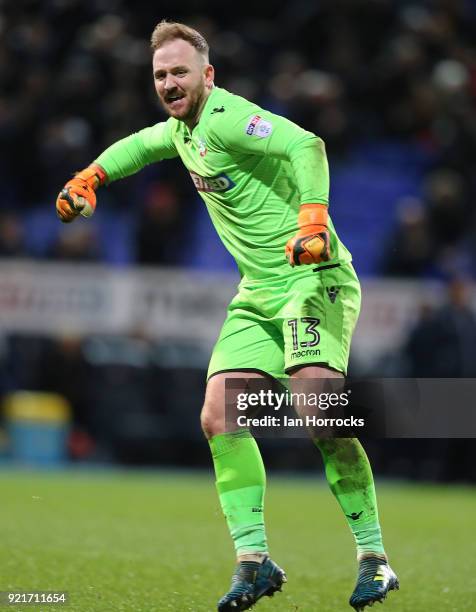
(241, 482)
(350, 478)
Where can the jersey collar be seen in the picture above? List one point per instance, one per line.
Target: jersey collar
(206, 107)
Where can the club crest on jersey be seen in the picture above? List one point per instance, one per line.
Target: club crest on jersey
(257, 126)
(202, 147)
(212, 183)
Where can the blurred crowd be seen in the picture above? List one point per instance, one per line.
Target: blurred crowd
(75, 77)
(390, 85)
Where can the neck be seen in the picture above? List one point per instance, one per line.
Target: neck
(191, 123)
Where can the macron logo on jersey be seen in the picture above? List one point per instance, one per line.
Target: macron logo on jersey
(214, 183)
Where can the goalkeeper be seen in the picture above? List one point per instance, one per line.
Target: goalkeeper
(265, 183)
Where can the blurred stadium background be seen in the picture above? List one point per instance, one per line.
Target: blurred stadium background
(107, 324)
(117, 315)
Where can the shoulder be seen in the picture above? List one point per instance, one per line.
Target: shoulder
(169, 126)
(164, 129)
(221, 96)
(225, 104)
(230, 112)
(160, 135)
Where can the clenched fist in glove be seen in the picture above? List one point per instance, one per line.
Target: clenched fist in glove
(78, 196)
(311, 244)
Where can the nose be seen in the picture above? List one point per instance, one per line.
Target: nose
(169, 82)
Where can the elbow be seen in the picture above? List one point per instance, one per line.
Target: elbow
(311, 144)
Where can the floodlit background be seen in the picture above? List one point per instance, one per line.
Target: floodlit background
(107, 324)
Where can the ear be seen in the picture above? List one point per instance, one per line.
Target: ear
(209, 74)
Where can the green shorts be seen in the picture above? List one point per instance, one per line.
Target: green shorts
(275, 325)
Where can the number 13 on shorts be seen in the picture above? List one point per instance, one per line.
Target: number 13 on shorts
(302, 341)
(320, 340)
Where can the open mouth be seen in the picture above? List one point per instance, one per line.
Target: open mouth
(173, 100)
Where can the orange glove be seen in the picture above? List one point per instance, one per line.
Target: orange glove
(78, 196)
(311, 244)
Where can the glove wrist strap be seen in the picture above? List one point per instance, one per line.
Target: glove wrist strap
(93, 175)
(312, 215)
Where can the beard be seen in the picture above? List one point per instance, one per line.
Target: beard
(185, 109)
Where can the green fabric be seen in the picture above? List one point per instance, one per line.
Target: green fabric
(282, 323)
(350, 478)
(252, 168)
(241, 482)
(129, 155)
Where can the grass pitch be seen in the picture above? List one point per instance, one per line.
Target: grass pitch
(157, 542)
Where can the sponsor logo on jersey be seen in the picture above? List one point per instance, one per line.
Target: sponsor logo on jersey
(257, 126)
(250, 128)
(218, 109)
(212, 183)
(355, 515)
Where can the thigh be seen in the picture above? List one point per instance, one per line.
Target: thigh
(322, 418)
(215, 418)
(248, 342)
(319, 319)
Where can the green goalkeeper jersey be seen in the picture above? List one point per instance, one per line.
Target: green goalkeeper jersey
(252, 168)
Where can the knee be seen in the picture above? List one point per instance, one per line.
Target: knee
(211, 421)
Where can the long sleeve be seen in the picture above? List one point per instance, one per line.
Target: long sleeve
(267, 134)
(131, 154)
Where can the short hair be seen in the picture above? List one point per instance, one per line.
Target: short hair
(171, 30)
